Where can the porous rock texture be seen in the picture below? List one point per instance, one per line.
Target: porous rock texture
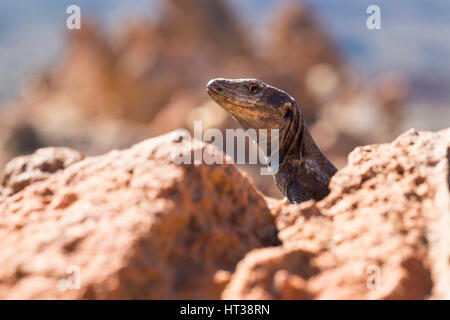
(25, 170)
(133, 224)
(130, 224)
(381, 233)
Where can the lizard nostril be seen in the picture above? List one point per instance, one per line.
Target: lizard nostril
(213, 84)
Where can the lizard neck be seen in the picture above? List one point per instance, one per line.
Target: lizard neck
(287, 142)
(292, 138)
(299, 150)
(314, 169)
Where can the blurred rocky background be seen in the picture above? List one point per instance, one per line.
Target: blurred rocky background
(139, 70)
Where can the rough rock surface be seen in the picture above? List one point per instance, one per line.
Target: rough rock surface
(130, 224)
(382, 233)
(25, 170)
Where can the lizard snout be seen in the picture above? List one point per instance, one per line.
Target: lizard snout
(215, 85)
(211, 83)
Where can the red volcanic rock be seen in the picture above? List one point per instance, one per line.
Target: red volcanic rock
(25, 170)
(130, 224)
(273, 273)
(382, 232)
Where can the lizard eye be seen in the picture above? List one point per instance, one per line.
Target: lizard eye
(254, 88)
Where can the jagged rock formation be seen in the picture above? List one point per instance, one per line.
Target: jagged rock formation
(139, 226)
(25, 170)
(382, 233)
(133, 223)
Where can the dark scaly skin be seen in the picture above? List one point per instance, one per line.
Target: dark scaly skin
(304, 172)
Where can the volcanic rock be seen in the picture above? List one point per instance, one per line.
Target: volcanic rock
(129, 224)
(381, 233)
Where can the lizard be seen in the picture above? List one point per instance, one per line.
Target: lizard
(303, 171)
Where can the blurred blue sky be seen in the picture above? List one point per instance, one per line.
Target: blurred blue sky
(414, 39)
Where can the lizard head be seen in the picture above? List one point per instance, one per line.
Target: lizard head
(253, 103)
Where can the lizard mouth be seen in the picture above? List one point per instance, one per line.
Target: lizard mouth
(224, 98)
(244, 108)
(214, 89)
